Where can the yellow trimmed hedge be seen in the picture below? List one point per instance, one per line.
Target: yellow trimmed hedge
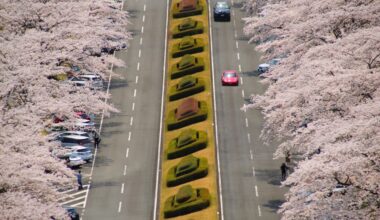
(199, 200)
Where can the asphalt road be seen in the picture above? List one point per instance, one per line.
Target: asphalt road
(250, 178)
(123, 181)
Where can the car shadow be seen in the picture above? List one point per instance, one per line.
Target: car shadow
(272, 177)
(251, 73)
(115, 84)
(133, 13)
(102, 160)
(274, 205)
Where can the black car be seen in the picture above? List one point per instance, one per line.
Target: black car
(72, 213)
(222, 11)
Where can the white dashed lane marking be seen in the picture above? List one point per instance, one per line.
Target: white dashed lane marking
(138, 66)
(119, 209)
(139, 53)
(133, 106)
(122, 188)
(141, 41)
(134, 93)
(125, 170)
(137, 79)
(256, 191)
(127, 153)
(131, 122)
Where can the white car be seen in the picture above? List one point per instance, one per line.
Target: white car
(80, 151)
(76, 81)
(93, 80)
(264, 67)
(85, 125)
(75, 160)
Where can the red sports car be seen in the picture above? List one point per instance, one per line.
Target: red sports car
(230, 78)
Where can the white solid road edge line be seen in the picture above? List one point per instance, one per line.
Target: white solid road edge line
(221, 216)
(155, 212)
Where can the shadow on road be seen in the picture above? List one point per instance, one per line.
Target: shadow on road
(102, 160)
(274, 205)
(272, 177)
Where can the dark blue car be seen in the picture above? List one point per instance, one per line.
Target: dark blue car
(222, 11)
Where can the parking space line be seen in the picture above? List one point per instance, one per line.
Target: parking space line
(79, 204)
(72, 200)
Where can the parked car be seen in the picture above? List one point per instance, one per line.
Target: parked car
(61, 135)
(264, 67)
(72, 212)
(222, 11)
(77, 81)
(80, 151)
(84, 115)
(73, 140)
(75, 161)
(85, 125)
(94, 80)
(230, 78)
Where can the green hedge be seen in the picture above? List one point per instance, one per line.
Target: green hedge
(201, 115)
(187, 200)
(188, 27)
(187, 65)
(188, 169)
(178, 13)
(189, 141)
(188, 45)
(186, 87)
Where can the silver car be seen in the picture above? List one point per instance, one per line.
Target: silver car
(94, 80)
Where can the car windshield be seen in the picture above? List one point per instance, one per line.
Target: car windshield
(221, 5)
(230, 75)
(83, 150)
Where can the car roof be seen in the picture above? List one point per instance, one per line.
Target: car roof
(78, 147)
(89, 76)
(77, 137)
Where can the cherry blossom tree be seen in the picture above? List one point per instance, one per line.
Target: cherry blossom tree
(323, 102)
(40, 39)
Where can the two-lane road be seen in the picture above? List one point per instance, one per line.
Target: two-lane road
(250, 178)
(124, 177)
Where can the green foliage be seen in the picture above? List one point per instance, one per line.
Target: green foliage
(188, 169)
(188, 27)
(186, 87)
(188, 45)
(187, 65)
(189, 141)
(179, 12)
(201, 115)
(187, 200)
